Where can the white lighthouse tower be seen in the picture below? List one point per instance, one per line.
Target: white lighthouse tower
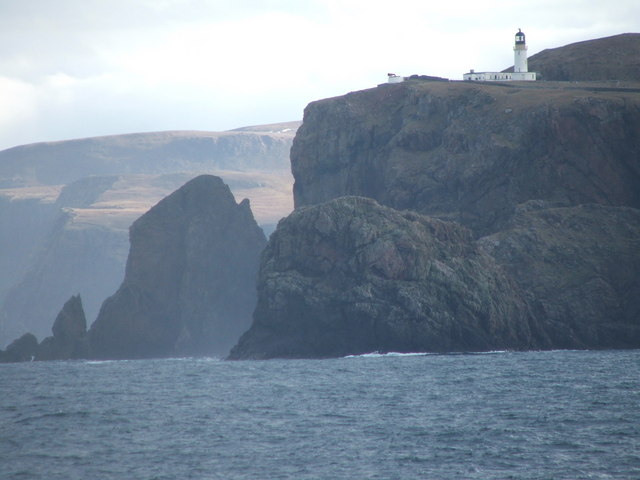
(520, 72)
(520, 54)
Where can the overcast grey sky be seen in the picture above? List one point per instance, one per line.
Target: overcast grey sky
(78, 68)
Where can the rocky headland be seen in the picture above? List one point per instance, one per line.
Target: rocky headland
(189, 286)
(429, 216)
(506, 215)
(350, 276)
(470, 152)
(66, 207)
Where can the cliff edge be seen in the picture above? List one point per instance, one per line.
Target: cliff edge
(470, 152)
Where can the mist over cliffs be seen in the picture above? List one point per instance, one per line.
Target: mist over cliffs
(67, 342)
(66, 207)
(189, 286)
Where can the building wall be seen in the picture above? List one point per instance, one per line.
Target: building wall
(520, 59)
(499, 76)
(395, 79)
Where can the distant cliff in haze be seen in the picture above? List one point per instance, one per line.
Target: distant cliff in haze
(65, 208)
(189, 287)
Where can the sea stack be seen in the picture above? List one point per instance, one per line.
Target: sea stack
(69, 340)
(189, 286)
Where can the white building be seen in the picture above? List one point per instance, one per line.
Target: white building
(393, 78)
(520, 68)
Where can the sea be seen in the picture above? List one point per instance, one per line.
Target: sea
(498, 415)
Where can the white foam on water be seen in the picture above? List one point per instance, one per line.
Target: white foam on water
(422, 354)
(390, 354)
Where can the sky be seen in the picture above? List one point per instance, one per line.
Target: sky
(82, 68)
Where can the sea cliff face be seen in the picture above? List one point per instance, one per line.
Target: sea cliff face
(579, 267)
(470, 153)
(505, 216)
(351, 276)
(189, 286)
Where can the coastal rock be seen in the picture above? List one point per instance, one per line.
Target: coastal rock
(580, 269)
(189, 286)
(543, 175)
(351, 276)
(21, 350)
(470, 152)
(69, 340)
(66, 207)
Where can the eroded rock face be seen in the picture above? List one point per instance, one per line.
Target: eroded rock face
(544, 175)
(189, 286)
(470, 153)
(579, 267)
(69, 340)
(23, 349)
(350, 276)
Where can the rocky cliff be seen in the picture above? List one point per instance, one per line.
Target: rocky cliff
(65, 208)
(189, 286)
(69, 340)
(580, 269)
(350, 276)
(23, 349)
(469, 152)
(510, 219)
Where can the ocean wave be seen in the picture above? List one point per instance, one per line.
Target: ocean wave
(422, 354)
(389, 354)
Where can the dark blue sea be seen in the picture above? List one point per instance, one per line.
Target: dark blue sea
(503, 415)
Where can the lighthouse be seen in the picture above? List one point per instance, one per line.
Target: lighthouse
(520, 54)
(520, 72)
